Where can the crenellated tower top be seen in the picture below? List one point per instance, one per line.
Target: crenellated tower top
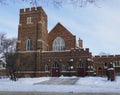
(31, 10)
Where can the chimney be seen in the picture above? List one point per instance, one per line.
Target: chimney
(80, 43)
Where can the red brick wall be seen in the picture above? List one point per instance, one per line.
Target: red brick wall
(99, 62)
(64, 58)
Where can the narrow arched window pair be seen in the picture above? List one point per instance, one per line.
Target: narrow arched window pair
(46, 67)
(80, 65)
(55, 65)
(64, 68)
(29, 44)
(58, 44)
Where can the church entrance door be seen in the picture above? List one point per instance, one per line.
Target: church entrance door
(80, 72)
(55, 70)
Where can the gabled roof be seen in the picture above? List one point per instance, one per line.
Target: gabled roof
(60, 26)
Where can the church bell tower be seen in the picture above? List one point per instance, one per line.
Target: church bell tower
(32, 38)
(32, 31)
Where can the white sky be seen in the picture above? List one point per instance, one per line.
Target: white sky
(97, 26)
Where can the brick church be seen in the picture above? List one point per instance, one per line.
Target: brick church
(55, 53)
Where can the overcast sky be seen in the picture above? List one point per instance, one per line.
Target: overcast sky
(98, 26)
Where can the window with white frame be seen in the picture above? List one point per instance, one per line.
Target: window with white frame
(29, 20)
(46, 67)
(105, 65)
(64, 67)
(80, 65)
(29, 44)
(55, 65)
(1, 66)
(116, 63)
(58, 44)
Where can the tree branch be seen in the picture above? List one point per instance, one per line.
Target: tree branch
(55, 3)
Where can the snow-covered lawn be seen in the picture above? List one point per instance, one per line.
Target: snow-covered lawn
(84, 84)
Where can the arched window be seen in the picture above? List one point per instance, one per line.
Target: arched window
(55, 65)
(46, 67)
(64, 67)
(29, 44)
(58, 44)
(80, 65)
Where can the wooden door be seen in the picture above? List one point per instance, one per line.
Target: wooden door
(80, 72)
(55, 72)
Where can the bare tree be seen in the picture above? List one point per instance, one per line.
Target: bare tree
(7, 44)
(2, 39)
(11, 64)
(8, 53)
(10, 56)
(56, 3)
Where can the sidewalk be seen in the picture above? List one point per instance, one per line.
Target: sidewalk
(60, 81)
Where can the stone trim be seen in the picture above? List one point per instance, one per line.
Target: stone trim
(68, 71)
(39, 40)
(56, 51)
(18, 41)
(28, 51)
(32, 72)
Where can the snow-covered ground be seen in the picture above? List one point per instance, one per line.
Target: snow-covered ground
(86, 84)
